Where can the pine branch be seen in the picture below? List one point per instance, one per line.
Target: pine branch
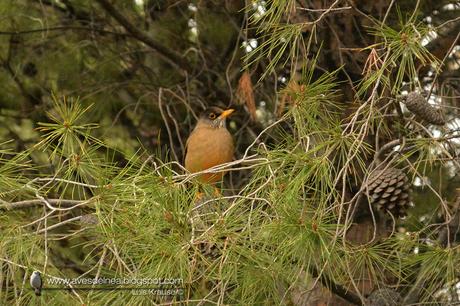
(6, 63)
(443, 44)
(172, 57)
(336, 288)
(62, 28)
(446, 37)
(36, 202)
(450, 232)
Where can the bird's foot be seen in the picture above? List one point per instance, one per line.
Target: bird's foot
(199, 196)
(217, 192)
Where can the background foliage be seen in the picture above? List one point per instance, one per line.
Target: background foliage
(97, 100)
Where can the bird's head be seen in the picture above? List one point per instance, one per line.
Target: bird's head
(215, 116)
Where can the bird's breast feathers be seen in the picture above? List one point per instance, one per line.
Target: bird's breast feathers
(208, 147)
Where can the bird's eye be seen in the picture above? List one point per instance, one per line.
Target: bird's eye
(212, 116)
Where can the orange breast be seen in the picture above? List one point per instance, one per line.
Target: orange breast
(208, 147)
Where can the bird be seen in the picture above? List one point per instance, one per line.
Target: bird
(36, 282)
(210, 144)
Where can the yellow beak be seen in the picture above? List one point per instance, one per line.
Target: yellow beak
(226, 113)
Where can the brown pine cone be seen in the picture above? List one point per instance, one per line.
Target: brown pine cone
(385, 297)
(418, 105)
(389, 190)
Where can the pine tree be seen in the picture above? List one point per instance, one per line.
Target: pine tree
(345, 185)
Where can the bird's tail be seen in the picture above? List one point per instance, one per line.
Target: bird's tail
(38, 292)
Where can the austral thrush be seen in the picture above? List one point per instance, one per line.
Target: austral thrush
(210, 144)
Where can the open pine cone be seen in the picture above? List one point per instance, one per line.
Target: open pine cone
(417, 104)
(389, 190)
(385, 297)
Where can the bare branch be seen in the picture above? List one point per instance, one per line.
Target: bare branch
(172, 57)
(37, 202)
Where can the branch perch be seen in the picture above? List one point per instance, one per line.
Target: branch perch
(30, 203)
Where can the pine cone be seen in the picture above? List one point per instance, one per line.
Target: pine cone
(389, 190)
(385, 297)
(417, 104)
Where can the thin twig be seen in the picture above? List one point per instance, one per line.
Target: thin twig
(36, 202)
(173, 58)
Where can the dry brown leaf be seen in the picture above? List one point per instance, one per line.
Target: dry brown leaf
(245, 94)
